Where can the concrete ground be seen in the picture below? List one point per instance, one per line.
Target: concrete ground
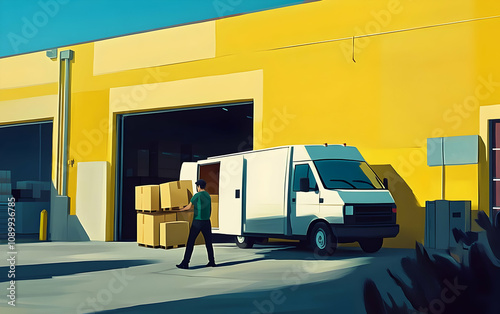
(121, 277)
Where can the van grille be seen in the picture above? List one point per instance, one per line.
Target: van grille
(371, 214)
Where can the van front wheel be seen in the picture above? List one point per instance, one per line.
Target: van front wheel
(371, 245)
(244, 242)
(322, 239)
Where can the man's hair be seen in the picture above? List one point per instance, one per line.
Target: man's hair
(201, 183)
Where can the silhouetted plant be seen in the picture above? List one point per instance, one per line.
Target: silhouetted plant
(442, 285)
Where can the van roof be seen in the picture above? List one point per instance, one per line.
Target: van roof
(315, 151)
(318, 152)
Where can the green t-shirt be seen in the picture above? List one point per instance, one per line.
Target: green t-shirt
(202, 205)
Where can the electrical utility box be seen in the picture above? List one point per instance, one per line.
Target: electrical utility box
(441, 217)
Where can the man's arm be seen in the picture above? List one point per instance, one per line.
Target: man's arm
(188, 206)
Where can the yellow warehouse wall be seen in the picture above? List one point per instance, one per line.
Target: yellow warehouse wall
(330, 19)
(89, 134)
(27, 70)
(192, 42)
(427, 79)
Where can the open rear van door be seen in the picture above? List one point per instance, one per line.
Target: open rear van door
(232, 195)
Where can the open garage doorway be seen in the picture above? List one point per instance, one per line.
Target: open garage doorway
(153, 145)
(25, 174)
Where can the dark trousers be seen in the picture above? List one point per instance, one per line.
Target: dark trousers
(206, 229)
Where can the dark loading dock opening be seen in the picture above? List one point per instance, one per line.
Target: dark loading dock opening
(26, 169)
(152, 147)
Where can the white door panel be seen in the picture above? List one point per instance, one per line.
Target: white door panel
(231, 195)
(265, 210)
(305, 205)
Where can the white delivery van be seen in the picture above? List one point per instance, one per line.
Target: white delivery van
(319, 194)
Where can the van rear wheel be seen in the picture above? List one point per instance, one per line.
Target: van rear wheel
(371, 245)
(322, 240)
(244, 242)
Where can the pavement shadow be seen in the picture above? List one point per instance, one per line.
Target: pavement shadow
(280, 252)
(342, 294)
(44, 271)
(287, 252)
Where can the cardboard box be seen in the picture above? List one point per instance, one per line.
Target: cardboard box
(138, 197)
(176, 194)
(214, 216)
(188, 216)
(140, 228)
(185, 215)
(174, 233)
(147, 197)
(152, 223)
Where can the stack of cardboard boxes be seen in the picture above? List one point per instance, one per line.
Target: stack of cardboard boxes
(159, 221)
(148, 227)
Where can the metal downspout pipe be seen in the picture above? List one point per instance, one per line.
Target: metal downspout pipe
(66, 57)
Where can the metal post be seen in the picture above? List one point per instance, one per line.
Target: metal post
(442, 182)
(67, 56)
(43, 226)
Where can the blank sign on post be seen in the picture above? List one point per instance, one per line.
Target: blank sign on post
(454, 150)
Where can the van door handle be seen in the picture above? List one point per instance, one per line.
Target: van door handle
(293, 200)
(321, 200)
(237, 194)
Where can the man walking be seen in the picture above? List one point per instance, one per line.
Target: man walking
(201, 222)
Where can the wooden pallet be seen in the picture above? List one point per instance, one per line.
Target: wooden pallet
(172, 208)
(172, 246)
(147, 210)
(147, 245)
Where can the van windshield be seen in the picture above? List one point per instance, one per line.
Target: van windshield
(347, 174)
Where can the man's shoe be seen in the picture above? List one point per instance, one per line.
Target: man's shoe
(182, 266)
(211, 264)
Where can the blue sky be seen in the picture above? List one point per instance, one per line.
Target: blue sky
(33, 25)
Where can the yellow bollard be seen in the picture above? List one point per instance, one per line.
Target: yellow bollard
(43, 225)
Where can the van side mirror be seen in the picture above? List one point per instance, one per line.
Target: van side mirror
(386, 183)
(304, 184)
